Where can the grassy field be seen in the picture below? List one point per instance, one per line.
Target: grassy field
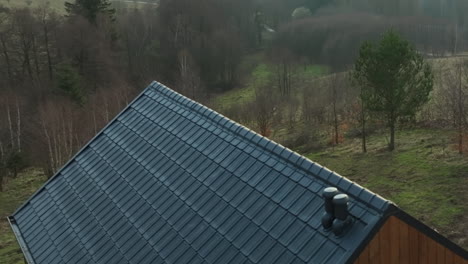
(17, 191)
(423, 176)
(261, 74)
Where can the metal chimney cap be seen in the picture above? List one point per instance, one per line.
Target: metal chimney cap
(330, 192)
(340, 199)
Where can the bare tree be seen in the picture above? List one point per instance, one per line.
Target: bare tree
(264, 107)
(453, 97)
(5, 37)
(59, 130)
(334, 83)
(25, 31)
(285, 70)
(189, 81)
(48, 20)
(2, 166)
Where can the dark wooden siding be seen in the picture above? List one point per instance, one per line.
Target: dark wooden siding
(398, 242)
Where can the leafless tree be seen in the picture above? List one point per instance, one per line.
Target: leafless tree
(264, 107)
(454, 96)
(189, 81)
(285, 68)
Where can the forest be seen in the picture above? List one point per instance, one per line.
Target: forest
(287, 69)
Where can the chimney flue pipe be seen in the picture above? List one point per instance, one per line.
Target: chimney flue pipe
(329, 215)
(342, 218)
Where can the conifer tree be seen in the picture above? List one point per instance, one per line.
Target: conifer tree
(90, 9)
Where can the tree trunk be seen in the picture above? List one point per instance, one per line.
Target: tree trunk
(18, 126)
(364, 144)
(460, 113)
(335, 115)
(7, 58)
(455, 39)
(391, 145)
(26, 55)
(35, 57)
(460, 140)
(2, 168)
(49, 59)
(10, 126)
(363, 122)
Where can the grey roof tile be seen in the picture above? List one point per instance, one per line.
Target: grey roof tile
(170, 180)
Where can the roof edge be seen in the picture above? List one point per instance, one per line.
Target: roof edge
(82, 149)
(19, 238)
(433, 234)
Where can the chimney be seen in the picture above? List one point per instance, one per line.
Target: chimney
(329, 215)
(342, 217)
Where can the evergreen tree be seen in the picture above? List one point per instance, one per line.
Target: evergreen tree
(394, 78)
(69, 81)
(90, 9)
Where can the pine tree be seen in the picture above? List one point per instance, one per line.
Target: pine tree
(90, 9)
(395, 79)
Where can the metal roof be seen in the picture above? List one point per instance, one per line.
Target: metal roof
(171, 181)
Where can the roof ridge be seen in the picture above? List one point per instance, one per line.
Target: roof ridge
(301, 162)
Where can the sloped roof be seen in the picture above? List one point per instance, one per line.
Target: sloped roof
(171, 181)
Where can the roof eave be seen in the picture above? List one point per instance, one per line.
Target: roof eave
(24, 248)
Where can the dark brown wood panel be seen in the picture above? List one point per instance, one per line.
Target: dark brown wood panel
(374, 249)
(414, 240)
(384, 244)
(398, 242)
(404, 243)
(440, 253)
(395, 241)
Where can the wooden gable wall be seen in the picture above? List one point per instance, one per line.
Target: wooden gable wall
(398, 242)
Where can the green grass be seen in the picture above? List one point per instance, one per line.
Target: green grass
(16, 192)
(422, 176)
(313, 71)
(259, 75)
